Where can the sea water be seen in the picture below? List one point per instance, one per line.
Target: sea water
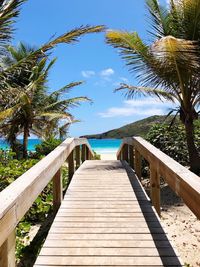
(105, 146)
(100, 146)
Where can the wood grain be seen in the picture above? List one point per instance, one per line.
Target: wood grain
(100, 224)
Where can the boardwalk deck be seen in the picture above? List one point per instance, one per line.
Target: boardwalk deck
(106, 219)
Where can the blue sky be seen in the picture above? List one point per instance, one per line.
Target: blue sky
(91, 60)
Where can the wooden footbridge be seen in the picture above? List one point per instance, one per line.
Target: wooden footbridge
(105, 218)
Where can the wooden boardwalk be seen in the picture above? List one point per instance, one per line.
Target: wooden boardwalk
(106, 219)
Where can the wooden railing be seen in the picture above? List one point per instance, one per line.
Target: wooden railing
(182, 181)
(18, 197)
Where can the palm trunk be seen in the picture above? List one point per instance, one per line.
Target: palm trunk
(25, 141)
(194, 156)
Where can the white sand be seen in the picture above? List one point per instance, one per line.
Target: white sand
(184, 229)
(108, 156)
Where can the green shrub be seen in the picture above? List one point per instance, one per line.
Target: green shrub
(96, 156)
(172, 140)
(10, 170)
(46, 147)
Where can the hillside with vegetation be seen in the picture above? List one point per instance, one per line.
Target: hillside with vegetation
(140, 128)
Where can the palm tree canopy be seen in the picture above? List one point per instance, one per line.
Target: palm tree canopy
(160, 67)
(169, 67)
(67, 38)
(31, 103)
(9, 10)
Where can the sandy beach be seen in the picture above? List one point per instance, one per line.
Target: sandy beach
(184, 230)
(108, 156)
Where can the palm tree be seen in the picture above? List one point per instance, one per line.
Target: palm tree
(19, 82)
(33, 109)
(169, 67)
(9, 10)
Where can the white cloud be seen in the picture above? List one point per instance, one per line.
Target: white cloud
(87, 73)
(126, 112)
(145, 102)
(107, 72)
(145, 107)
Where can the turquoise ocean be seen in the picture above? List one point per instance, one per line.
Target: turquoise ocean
(100, 146)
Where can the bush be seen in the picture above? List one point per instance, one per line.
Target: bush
(46, 147)
(172, 140)
(10, 170)
(96, 156)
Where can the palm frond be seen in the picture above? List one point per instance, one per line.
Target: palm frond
(134, 91)
(66, 88)
(160, 65)
(5, 114)
(172, 55)
(67, 38)
(55, 115)
(66, 103)
(159, 19)
(9, 10)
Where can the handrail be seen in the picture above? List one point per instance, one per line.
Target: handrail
(182, 181)
(18, 197)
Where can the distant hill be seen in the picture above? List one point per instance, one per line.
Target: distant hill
(140, 128)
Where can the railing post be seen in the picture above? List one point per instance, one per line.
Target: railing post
(78, 157)
(90, 155)
(83, 153)
(57, 190)
(155, 188)
(125, 152)
(119, 156)
(87, 153)
(7, 252)
(138, 165)
(71, 165)
(131, 161)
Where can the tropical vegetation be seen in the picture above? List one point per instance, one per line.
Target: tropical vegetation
(34, 110)
(26, 104)
(10, 169)
(169, 66)
(137, 128)
(172, 140)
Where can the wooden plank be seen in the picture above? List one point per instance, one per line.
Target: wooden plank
(21, 194)
(180, 179)
(131, 156)
(105, 210)
(106, 230)
(105, 215)
(155, 188)
(47, 265)
(71, 166)
(98, 225)
(57, 190)
(62, 218)
(100, 204)
(121, 224)
(7, 252)
(125, 153)
(109, 236)
(138, 164)
(78, 156)
(106, 243)
(144, 252)
(83, 153)
(107, 261)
